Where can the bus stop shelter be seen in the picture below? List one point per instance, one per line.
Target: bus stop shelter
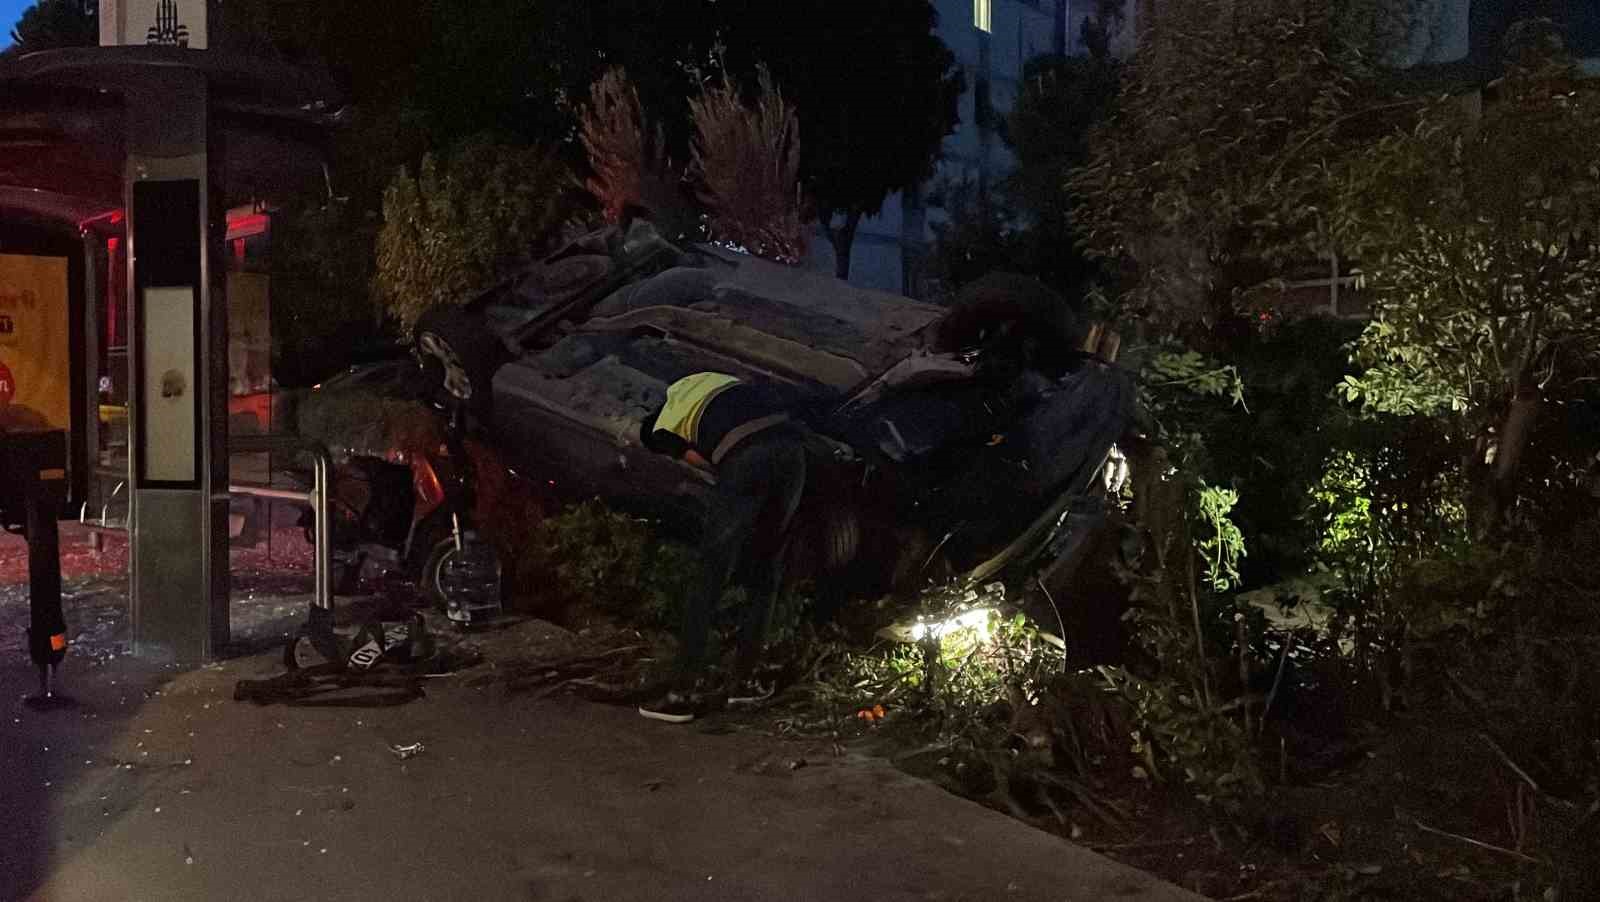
(132, 180)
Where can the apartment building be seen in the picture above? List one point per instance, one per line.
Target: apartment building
(991, 40)
(1456, 40)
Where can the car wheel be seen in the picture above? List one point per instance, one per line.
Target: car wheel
(463, 580)
(841, 539)
(459, 355)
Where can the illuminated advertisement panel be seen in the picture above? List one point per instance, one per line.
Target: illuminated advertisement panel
(35, 366)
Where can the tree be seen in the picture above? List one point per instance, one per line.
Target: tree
(493, 66)
(1482, 248)
(876, 90)
(1026, 225)
(373, 58)
(322, 311)
(1097, 29)
(421, 76)
(980, 235)
(49, 24)
(1060, 102)
(663, 45)
(460, 225)
(1215, 169)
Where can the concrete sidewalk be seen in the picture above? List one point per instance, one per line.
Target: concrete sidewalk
(187, 794)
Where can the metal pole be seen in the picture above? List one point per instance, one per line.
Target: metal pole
(1334, 302)
(93, 249)
(324, 549)
(322, 471)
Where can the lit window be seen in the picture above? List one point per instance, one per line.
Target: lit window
(981, 14)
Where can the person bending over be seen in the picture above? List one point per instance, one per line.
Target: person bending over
(742, 434)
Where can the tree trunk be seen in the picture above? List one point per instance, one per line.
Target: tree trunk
(1514, 431)
(841, 238)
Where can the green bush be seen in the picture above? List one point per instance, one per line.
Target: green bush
(593, 558)
(462, 223)
(1193, 724)
(1515, 636)
(1388, 501)
(1180, 621)
(961, 688)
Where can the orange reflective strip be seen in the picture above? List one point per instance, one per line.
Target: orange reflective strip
(58, 642)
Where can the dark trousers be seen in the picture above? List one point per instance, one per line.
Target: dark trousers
(759, 484)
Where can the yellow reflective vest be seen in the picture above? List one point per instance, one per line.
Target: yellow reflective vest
(687, 400)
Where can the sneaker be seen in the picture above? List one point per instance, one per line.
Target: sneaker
(674, 707)
(750, 692)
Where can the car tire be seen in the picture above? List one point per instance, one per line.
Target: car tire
(840, 539)
(459, 355)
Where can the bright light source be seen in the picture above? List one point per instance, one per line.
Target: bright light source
(1116, 471)
(983, 15)
(976, 619)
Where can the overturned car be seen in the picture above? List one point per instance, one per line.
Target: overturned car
(963, 441)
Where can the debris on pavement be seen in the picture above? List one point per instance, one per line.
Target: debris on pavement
(611, 673)
(326, 686)
(407, 751)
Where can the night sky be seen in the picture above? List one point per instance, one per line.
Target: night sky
(10, 11)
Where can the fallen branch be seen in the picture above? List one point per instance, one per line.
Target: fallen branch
(1146, 844)
(589, 659)
(1106, 811)
(1495, 747)
(1060, 622)
(522, 675)
(814, 672)
(586, 681)
(1464, 689)
(1473, 842)
(1283, 658)
(904, 756)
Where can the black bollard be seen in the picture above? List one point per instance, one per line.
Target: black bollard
(34, 463)
(47, 626)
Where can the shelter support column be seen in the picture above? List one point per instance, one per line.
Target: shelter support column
(178, 514)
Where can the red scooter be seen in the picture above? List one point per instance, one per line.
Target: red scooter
(417, 515)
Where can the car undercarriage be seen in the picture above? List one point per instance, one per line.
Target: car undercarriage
(946, 441)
